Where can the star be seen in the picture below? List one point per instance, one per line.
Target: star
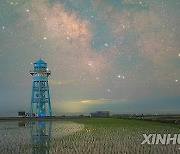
(89, 64)
(27, 10)
(45, 38)
(179, 54)
(119, 76)
(3, 27)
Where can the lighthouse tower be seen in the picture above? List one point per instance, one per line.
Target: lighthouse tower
(40, 99)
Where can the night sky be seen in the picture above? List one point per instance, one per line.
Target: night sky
(117, 55)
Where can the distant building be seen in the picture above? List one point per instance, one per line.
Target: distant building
(22, 113)
(81, 115)
(100, 114)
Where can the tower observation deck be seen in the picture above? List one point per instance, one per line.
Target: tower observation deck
(40, 99)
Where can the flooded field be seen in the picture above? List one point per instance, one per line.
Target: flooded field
(83, 136)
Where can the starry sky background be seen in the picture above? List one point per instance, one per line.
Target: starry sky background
(116, 55)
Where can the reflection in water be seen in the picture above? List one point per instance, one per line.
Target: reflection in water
(40, 136)
(22, 124)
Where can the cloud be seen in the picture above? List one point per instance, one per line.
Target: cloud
(98, 101)
(84, 105)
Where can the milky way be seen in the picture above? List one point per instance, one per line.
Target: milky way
(116, 55)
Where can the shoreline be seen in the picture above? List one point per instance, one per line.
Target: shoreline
(160, 119)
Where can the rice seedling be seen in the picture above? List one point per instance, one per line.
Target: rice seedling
(84, 136)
